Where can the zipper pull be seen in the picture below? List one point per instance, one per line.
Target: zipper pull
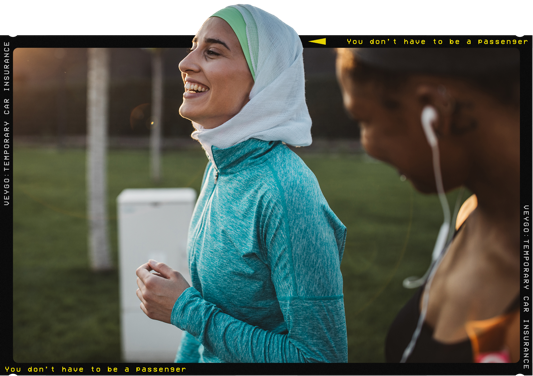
(216, 177)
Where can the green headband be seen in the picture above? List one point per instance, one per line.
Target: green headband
(235, 19)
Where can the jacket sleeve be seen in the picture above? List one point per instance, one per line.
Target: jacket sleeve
(188, 350)
(303, 253)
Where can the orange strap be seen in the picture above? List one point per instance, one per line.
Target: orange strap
(468, 207)
(496, 334)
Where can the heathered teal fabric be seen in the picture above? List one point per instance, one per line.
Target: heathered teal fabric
(264, 253)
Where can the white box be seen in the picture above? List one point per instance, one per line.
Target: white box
(152, 224)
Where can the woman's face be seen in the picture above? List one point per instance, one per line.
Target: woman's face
(216, 76)
(391, 129)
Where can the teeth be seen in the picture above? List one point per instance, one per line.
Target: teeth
(195, 87)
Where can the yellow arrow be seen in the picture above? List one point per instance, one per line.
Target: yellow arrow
(319, 41)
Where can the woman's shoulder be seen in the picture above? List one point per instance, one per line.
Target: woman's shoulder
(291, 180)
(290, 167)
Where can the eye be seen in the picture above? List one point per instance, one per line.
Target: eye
(390, 104)
(211, 53)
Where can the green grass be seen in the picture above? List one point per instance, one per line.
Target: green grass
(65, 313)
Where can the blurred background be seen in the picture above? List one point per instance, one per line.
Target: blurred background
(51, 96)
(65, 311)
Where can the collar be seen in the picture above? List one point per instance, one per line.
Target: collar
(243, 155)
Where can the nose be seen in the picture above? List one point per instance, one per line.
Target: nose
(189, 64)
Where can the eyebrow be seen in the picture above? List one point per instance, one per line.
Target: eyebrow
(212, 40)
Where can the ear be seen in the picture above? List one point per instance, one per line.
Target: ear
(437, 97)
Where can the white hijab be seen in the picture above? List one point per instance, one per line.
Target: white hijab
(277, 110)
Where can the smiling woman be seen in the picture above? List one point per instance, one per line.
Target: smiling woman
(264, 248)
(216, 76)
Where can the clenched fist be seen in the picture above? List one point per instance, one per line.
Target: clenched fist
(159, 291)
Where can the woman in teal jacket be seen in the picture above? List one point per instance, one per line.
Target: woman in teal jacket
(264, 247)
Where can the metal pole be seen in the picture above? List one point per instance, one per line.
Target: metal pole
(157, 114)
(97, 107)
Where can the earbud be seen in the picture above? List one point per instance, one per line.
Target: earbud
(429, 115)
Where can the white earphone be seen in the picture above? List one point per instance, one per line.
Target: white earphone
(429, 115)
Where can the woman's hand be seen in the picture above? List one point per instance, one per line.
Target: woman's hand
(159, 291)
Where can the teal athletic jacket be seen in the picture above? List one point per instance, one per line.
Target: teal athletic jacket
(264, 252)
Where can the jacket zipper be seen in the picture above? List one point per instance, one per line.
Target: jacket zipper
(202, 218)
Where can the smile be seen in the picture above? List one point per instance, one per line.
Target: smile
(195, 88)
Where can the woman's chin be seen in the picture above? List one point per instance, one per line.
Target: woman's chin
(187, 113)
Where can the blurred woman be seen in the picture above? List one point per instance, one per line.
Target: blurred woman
(467, 311)
(264, 247)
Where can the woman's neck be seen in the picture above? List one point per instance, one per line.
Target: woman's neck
(495, 179)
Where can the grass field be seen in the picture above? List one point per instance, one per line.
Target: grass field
(65, 313)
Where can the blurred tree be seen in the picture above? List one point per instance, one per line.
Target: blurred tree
(157, 113)
(97, 108)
